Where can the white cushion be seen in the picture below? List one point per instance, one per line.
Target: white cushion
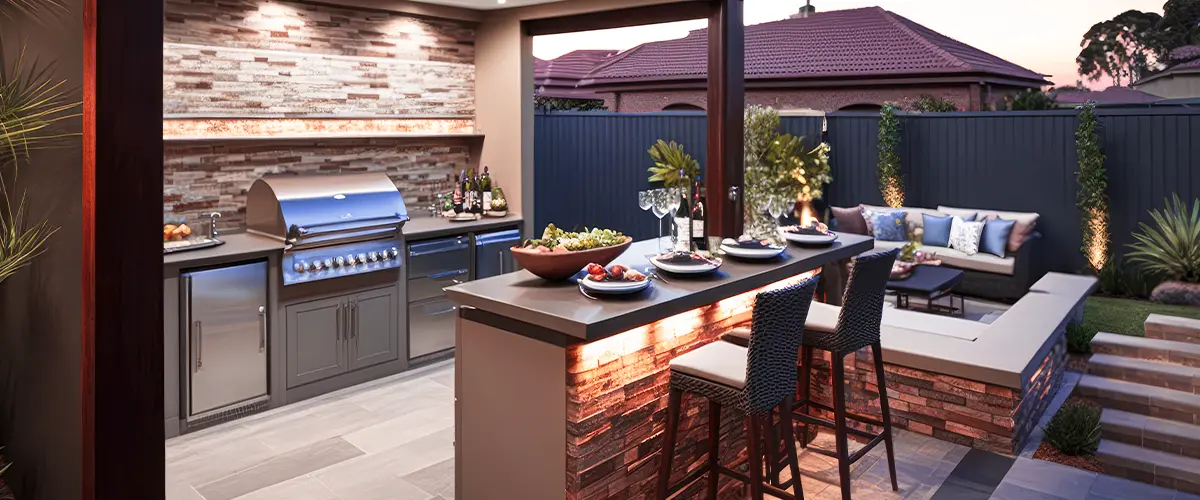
(720, 362)
(983, 262)
(964, 236)
(822, 317)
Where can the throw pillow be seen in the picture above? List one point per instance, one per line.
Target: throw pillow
(849, 220)
(937, 231)
(964, 236)
(890, 226)
(868, 213)
(995, 236)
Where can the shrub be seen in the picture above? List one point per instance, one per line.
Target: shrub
(891, 183)
(1118, 280)
(1030, 100)
(1079, 338)
(1092, 198)
(1075, 430)
(926, 103)
(1171, 248)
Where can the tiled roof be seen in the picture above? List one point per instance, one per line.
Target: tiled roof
(569, 68)
(1111, 95)
(1189, 54)
(844, 43)
(1185, 53)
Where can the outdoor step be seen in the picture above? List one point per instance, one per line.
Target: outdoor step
(1149, 466)
(1177, 377)
(1182, 353)
(1140, 398)
(1174, 328)
(1150, 432)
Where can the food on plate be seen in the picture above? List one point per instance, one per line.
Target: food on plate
(746, 241)
(615, 272)
(556, 240)
(815, 229)
(176, 233)
(680, 257)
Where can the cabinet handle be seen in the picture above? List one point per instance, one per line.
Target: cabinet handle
(262, 338)
(199, 327)
(501, 253)
(338, 317)
(354, 321)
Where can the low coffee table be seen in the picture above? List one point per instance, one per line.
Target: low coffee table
(929, 283)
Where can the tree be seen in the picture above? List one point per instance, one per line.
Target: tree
(1124, 48)
(1030, 100)
(1179, 26)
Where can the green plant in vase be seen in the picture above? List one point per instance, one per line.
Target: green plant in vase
(780, 171)
(672, 166)
(908, 252)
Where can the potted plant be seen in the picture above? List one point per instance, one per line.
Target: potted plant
(780, 171)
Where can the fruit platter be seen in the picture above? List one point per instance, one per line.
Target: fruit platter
(815, 233)
(178, 236)
(751, 248)
(681, 262)
(559, 254)
(615, 279)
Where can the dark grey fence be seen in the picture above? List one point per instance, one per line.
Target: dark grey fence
(588, 167)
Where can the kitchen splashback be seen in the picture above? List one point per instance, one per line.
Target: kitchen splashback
(199, 178)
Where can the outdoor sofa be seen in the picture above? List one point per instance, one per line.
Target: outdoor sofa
(985, 275)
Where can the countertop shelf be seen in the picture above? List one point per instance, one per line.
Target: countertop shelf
(312, 136)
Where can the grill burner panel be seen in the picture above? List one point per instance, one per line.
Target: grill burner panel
(317, 264)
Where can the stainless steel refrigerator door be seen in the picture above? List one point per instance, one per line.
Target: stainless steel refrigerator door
(493, 253)
(227, 336)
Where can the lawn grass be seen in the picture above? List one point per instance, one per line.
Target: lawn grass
(1127, 317)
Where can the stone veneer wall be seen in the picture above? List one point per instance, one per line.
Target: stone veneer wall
(203, 177)
(271, 58)
(616, 407)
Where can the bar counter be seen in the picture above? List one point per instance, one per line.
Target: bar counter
(562, 396)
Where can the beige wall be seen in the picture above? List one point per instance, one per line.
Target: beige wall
(1179, 86)
(504, 91)
(40, 347)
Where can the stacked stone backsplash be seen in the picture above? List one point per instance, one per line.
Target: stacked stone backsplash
(199, 178)
(305, 68)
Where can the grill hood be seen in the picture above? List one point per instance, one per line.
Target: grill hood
(317, 210)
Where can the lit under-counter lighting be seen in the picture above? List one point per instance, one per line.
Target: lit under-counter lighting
(501, 2)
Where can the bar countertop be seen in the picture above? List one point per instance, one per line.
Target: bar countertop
(560, 307)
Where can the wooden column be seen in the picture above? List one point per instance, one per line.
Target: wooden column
(726, 103)
(122, 330)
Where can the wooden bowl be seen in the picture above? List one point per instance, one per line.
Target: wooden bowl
(562, 265)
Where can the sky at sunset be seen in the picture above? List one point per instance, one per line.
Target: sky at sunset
(1040, 35)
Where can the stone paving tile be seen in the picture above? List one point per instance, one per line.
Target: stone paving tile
(1051, 478)
(1115, 488)
(1009, 491)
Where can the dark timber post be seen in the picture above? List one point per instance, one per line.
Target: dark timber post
(726, 103)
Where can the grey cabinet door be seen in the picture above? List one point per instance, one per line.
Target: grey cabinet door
(316, 348)
(375, 328)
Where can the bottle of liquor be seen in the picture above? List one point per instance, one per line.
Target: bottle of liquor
(458, 194)
(698, 236)
(683, 225)
(485, 186)
(469, 191)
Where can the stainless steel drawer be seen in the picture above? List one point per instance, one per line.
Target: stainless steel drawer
(437, 257)
(431, 286)
(430, 326)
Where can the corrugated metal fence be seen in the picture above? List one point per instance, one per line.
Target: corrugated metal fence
(1017, 161)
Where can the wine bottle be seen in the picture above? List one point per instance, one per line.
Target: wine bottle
(698, 236)
(458, 194)
(683, 226)
(469, 191)
(485, 185)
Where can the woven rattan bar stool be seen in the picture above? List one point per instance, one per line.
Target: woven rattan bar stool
(857, 327)
(753, 381)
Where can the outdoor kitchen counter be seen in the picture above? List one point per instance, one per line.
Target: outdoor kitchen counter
(424, 226)
(237, 247)
(561, 396)
(557, 306)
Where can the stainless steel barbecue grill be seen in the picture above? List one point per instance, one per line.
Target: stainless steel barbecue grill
(331, 225)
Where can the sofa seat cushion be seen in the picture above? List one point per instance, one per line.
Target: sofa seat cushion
(720, 362)
(982, 262)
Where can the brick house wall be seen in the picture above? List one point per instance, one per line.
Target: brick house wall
(967, 97)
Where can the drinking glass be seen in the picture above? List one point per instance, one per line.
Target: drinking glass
(675, 199)
(777, 207)
(662, 206)
(645, 200)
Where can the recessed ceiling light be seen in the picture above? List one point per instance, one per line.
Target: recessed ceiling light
(501, 2)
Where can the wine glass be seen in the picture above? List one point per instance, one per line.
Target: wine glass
(674, 199)
(776, 207)
(645, 200)
(662, 206)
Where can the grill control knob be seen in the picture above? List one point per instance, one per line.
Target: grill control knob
(300, 266)
(350, 260)
(340, 261)
(317, 265)
(374, 256)
(361, 258)
(328, 263)
(394, 252)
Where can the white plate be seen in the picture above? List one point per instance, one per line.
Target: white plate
(807, 239)
(685, 268)
(614, 287)
(752, 253)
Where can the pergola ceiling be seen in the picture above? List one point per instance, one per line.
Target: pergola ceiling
(488, 4)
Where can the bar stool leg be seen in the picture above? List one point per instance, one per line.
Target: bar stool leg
(789, 436)
(806, 355)
(773, 469)
(839, 419)
(754, 449)
(714, 431)
(668, 449)
(877, 353)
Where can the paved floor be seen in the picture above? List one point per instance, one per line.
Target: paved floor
(393, 440)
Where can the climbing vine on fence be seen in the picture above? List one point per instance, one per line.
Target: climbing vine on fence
(1092, 199)
(891, 184)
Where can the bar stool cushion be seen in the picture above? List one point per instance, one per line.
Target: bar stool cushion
(720, 362)
(821, 318)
